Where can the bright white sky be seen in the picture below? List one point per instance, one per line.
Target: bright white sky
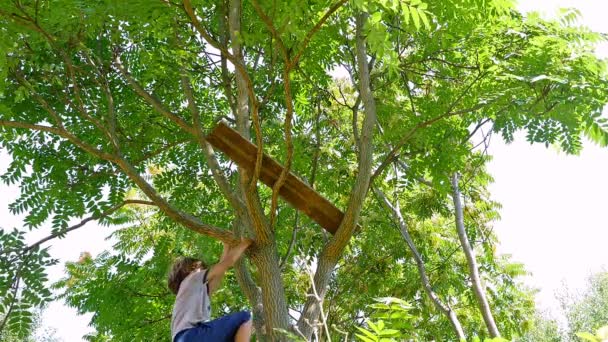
(553, 217)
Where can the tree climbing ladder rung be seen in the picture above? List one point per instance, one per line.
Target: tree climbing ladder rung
(294, 190)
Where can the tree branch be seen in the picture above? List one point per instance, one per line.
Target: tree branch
(150, 99)
(333, 249)
(268, 22)
(62, 133)
(469, 252)
(395, 212)
(314, 30)
(294, 235)
(393, 153)
(56, 117)
(84, 222)
(179, 216)
(218, 176)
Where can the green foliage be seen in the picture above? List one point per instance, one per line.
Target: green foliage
(392, 321)
(543, 329)
(439, 70)
(600, 335)
(23, 284)
(587, 311)
(36, 333)
(127, 289)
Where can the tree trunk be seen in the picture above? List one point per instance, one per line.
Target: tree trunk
(332, 251)
(478, 289)
(276, 315)
(264, 256)
(443, 308)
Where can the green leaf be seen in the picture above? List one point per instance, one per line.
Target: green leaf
(602, 333)
(405, 14)
(425, 19)
(587, 336)
(415, 17)
(366, 339)
(368, 333)
(375, 18)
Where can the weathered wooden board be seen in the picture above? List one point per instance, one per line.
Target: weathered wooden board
(294, 190)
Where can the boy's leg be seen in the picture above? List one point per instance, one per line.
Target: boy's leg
(196, 334)
(243, 334)
(230, 327)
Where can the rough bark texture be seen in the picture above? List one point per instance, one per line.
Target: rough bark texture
(264, 255)
(426, 283)
(332, 251)
(478, 288)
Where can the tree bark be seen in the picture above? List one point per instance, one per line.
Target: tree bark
(469, 252)
(332, 251)
(264, 256)
(426, 283)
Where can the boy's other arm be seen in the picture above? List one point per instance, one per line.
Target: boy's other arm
(229, 257)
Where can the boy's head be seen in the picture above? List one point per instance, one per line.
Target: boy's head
(181, 269)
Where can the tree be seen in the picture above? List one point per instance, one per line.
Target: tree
(35, 332)
(104, 97)
(544, 329)
(22, 284)
(586, 312)
(478, 288)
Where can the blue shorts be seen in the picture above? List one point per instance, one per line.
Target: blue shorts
(220, 330)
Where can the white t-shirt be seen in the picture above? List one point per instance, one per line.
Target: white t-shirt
(192, 304)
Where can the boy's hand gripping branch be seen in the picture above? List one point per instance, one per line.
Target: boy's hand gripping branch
(230, 256)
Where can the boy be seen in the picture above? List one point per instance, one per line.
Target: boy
(194, 282)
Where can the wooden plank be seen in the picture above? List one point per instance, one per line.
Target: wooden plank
(294, 190)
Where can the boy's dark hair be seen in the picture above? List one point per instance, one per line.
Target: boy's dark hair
(182, 267)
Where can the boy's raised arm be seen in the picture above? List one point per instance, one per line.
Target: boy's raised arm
(230, 256)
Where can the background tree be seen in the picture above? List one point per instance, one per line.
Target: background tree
(544, 329)
(586, 311)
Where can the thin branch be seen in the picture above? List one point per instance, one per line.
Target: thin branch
(111, 119)
(156, 152)
(218, 176)
(288, 141)
(294, 234)
(148, 322)
(479, 125)
(150, 99)
(478, 288)
(393, 153)
(62, 133)
(314, 30)
(187, 7)
(15, 283)
(268, 22)
(400, 222)
(224, 34)
(56, 117)
(84, 222)
(179, 216)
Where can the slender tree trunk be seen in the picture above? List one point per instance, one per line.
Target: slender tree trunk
(264, 256)
(426, 283)
(329, 256)
(469, 252)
